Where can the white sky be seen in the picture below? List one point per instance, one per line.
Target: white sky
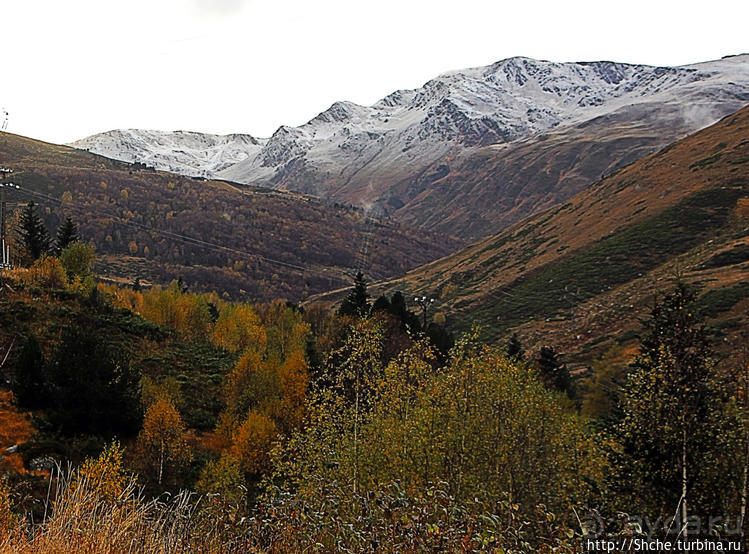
(71, 68)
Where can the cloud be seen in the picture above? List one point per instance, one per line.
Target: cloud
(221, 7)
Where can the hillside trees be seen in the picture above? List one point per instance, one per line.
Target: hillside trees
(93, 388)
(514, 349)
(29, 386)
(265, 392)
(78, 258)
(356, 302)
(554, 372)
(482, 425)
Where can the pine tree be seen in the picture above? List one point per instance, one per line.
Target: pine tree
(93, 388)
(32, 233)
(67, 234)
(382, 304)
(357, 301)
(409, 320)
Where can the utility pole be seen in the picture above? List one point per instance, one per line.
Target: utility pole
(5, 254)
(424, 302)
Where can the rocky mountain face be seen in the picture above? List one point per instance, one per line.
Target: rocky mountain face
(474, 150)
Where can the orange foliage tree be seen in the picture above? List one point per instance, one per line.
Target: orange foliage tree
(252, 442)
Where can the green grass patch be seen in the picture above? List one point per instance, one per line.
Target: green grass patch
(736, 255)
(704, 162)
(720, 300)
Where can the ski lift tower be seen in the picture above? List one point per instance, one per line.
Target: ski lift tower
(5, 254)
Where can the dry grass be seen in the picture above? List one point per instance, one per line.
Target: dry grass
(83, 518)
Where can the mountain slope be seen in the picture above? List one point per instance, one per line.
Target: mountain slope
(580, 274)
(251, 243)
(454, 153)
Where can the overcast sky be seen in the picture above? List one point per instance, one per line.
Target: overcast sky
(71, 68)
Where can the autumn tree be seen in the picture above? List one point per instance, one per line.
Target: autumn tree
(294, 382)
(285, 329)
(252, 382)
(104, 475)
(224, 477)
(239, 327)
(47, 272)
(485, 427)
(78, 258)
(252, 442)
(162, 443)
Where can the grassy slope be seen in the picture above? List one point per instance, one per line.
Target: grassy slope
(580, 274)
(288, 227)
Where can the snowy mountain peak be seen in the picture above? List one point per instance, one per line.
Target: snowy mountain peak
(185, 152)
(347, 147)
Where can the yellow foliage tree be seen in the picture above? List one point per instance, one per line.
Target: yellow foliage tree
(105, 475)
(162, 443)
(285, 328)
(294, 380)
(48, 272)
(224, 477)
(239, 328)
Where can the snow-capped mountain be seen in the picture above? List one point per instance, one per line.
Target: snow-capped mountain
(380, 154)
(184, 152)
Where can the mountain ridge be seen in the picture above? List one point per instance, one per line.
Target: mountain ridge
(462, 126)
(579, 274)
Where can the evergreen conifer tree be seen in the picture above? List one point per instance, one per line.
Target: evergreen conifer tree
(29, 386)
(32, 233)
(357, 301)
(553, 371)
(67, 234)
(515, 349)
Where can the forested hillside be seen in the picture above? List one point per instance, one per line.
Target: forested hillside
(306, 429)
(248, 242)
